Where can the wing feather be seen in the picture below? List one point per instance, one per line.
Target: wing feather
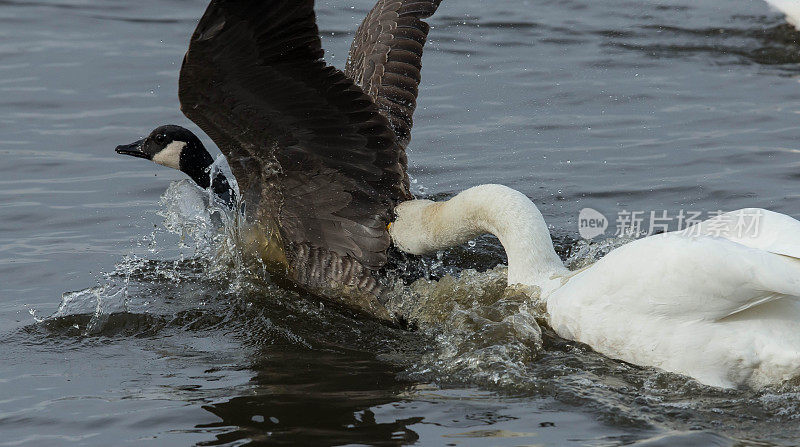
(308, 147)
(671, 275)
(386, 58)
(315, 152)
(753, 227)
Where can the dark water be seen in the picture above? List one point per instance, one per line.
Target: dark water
(617, 105)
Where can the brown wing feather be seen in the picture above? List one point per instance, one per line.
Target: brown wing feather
(386, 58)
(309, 149)
(255, 81)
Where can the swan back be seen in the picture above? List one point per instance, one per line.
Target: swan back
(672, 276)
(755, 228)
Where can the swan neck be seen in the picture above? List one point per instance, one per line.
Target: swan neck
(512, 218)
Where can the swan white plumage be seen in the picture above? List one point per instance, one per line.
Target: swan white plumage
(717, 301)
(791, 8)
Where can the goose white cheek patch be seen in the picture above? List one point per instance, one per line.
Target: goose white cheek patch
(170, 156)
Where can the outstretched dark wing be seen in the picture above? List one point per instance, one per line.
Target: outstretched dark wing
(386, 58)
(309, 149)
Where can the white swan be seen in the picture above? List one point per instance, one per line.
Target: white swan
(789, 7)
(717, 301)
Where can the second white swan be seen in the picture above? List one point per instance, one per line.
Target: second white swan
(717, 301)
(789, 7)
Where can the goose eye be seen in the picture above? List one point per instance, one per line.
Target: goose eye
(161, 138)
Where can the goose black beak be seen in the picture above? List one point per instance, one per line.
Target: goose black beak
(134, 149)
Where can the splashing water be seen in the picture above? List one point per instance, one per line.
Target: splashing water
(486, 333)
(584, 253)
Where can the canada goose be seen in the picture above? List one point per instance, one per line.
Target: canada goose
(318, 154)
(718, 301)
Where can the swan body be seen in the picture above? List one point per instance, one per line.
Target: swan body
(717, 301)
(789, 7)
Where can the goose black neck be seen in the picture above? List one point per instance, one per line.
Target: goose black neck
(196, 162)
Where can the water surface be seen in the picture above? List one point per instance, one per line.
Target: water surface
(120, 323)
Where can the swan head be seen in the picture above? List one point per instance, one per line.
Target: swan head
(174, 147)
(409, 230)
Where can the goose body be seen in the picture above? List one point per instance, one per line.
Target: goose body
(719, 301)
(318, 154)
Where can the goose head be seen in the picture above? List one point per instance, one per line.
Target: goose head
(174, 147)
